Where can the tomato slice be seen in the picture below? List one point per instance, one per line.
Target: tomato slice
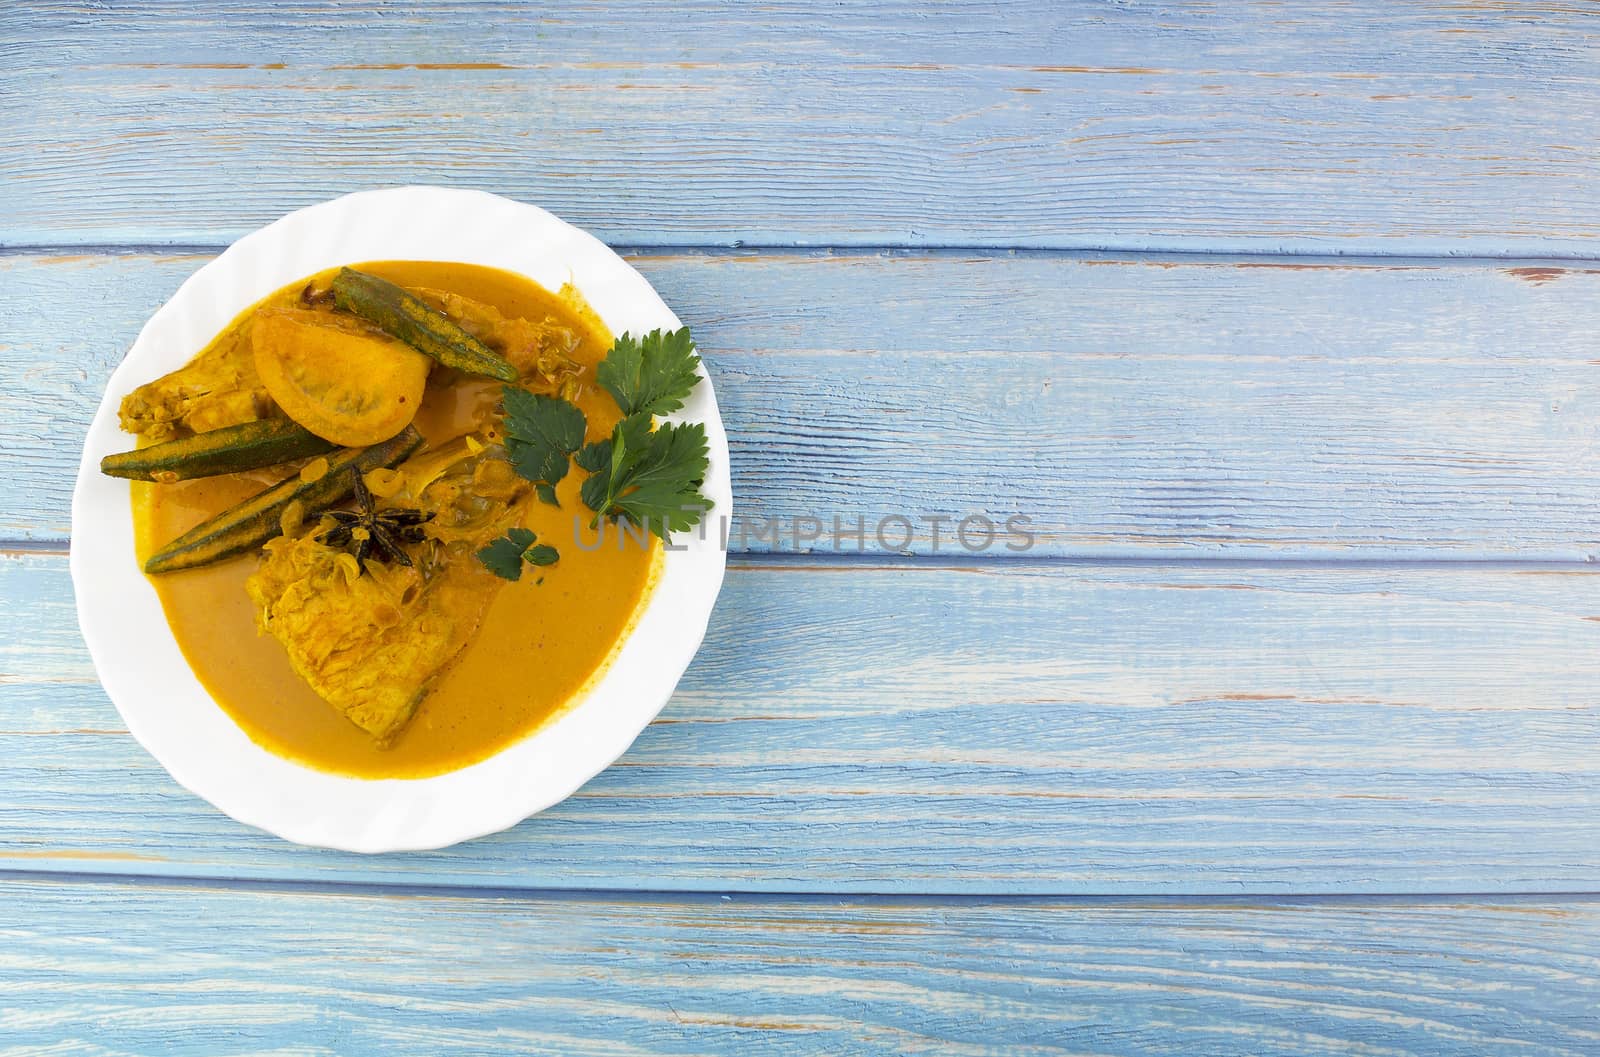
(335, 376)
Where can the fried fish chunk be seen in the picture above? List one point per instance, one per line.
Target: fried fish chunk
(367, 644)
(220, 387)
(371, 643)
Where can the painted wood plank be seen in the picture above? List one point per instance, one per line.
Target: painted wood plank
(1129, 408)
(1030, 727)
(173, 971)
(1428, 127)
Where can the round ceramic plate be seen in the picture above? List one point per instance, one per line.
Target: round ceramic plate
(146, 675)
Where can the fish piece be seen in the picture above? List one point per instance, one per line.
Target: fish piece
(368, 644)
(220, 387)
(371, 644)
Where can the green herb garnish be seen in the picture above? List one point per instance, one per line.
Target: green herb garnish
(542, 432)
(646, 475)
(648, 478)
(506, 555)
(650, 375)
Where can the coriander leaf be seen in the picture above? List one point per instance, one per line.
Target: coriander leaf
(503, 557)
(541, 554)
(652, 477)
(542, 432)
(594, 457)
(608, 459)
(546, 494)
(596, 493)
(650, 375)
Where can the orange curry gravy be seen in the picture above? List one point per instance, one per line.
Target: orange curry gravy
(539, 646)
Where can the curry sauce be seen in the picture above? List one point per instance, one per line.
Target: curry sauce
(540, 641)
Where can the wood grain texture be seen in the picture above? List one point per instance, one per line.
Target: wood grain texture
(1365, 126)
(151, 970)
(1035, 727)
(1014, 731)
(1166, 407)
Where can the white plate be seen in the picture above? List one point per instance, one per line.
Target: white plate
(139, 662)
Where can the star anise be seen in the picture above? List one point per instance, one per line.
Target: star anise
(378, 534)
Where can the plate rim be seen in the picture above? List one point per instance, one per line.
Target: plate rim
(318, 808)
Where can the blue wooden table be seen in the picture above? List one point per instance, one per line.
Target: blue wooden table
(1280, 321)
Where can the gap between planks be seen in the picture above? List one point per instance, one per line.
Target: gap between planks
(1534, 901)
(1087, 254)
